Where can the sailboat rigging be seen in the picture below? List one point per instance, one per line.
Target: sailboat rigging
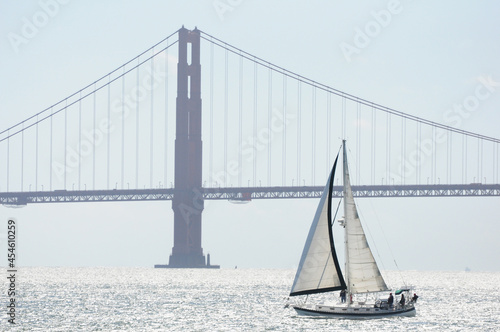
(319, 269)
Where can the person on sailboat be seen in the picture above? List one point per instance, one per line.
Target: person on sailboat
(402, 301)
(342, 296)
(390, 300)
(414, 298)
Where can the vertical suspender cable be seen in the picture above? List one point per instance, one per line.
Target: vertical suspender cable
(434, 156)
(269, 110)
(211, 137)
(65, 140)
(478, 161)
(93, 138)
(493, 169)
(434, 146)
(498, 159)
(283, 154)
(344, 134)
(451, 158)
(226, 112)
(313, 166)
(494, 159)
(108, 138)
(465, 159)
(328, 129)
(299, 127)
(50, 161)
(495, 162)
(480, 164)
(123, 130)
(136, 128)
(151, 127)
(373, 144)
(8, 157)
(80, 139)
(165, 161)
(419, 155)
(240, 124)
(449, 135)
(22, 158)
(403, 151)
(358, 142)
(401, 171)
(255, 107)
(388, 150)
(36, 156)
(433, 180)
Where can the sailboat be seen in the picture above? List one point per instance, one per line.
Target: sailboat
(319, 269)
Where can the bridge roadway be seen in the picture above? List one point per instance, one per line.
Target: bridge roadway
(243, 194)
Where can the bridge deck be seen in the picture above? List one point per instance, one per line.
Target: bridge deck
(247, 193)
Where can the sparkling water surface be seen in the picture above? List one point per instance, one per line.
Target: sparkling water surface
(147, 299)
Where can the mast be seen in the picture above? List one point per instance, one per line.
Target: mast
(346, 250)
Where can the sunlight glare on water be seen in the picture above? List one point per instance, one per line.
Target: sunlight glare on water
(142, 299)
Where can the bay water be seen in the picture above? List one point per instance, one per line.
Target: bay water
(148, 299)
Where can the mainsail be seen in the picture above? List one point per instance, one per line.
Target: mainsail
(362, 273)
(319, 270)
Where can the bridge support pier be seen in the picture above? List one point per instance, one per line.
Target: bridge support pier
(188, 201)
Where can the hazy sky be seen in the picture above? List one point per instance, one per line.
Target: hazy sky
(421, 57)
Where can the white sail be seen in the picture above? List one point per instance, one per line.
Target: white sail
(362, 272)
(318, 269)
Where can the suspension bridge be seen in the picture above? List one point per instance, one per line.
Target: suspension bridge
(233, 127)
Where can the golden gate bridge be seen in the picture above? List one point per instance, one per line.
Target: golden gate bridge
(243, 129)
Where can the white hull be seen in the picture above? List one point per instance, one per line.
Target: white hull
(345, 312)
